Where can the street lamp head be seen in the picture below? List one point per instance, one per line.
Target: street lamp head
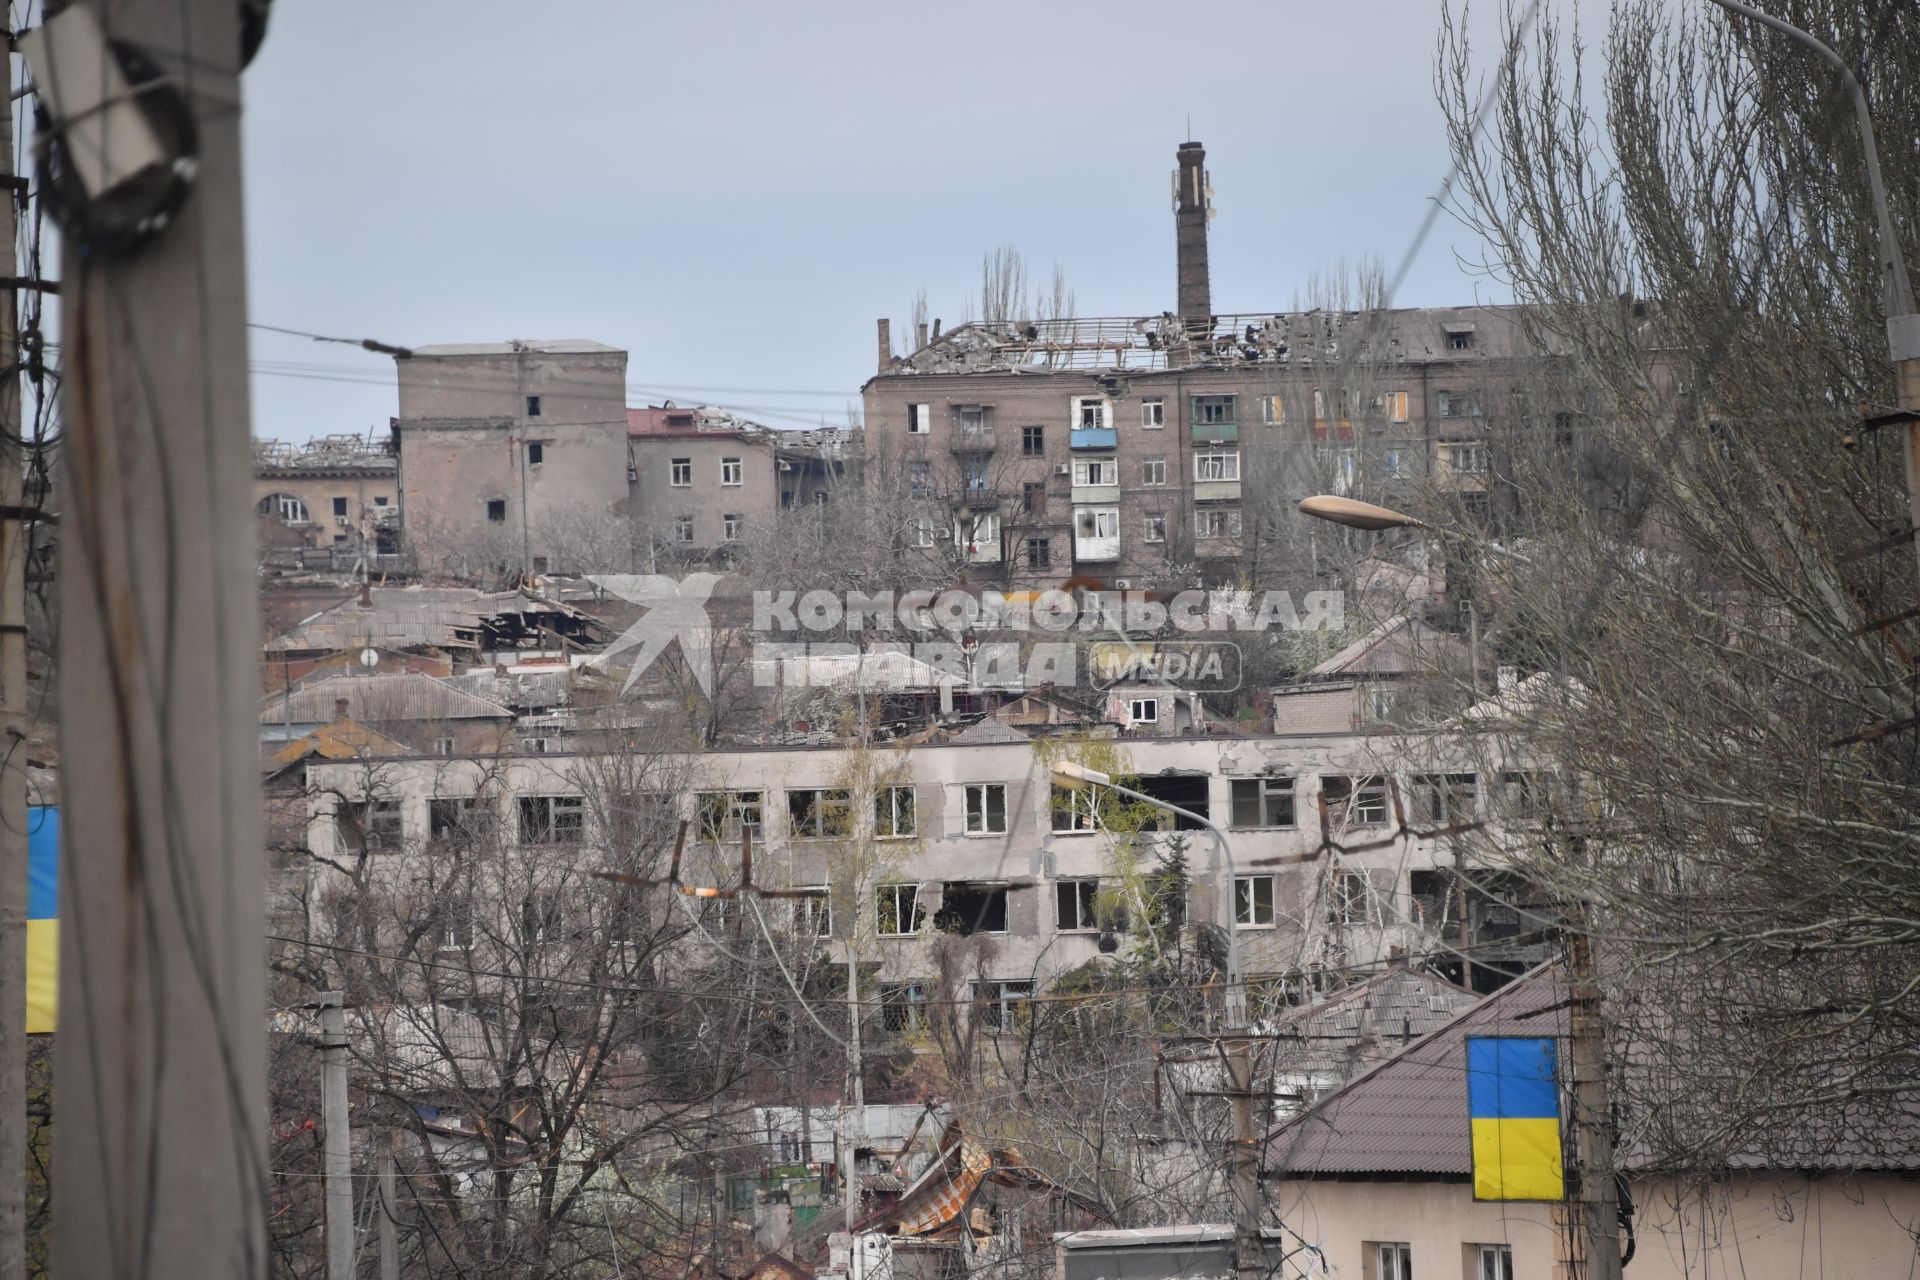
(1078, 777)
(1357, 515)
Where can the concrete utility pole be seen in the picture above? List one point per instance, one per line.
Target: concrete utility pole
(857, 1117)
(13, 774)
(160, 1153)
(389, 1235)
(1592, 1117)
(338, 1155)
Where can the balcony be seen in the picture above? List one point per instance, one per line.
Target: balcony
(1094, 438)
(1099, 494)
(971, 440)
(1089, 549)
(1216, 433)
(978, 494)
(1215, 491)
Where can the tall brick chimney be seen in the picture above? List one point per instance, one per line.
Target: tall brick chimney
(1191, 209)
(885, 336)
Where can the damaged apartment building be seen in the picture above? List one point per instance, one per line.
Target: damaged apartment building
(1162, 449)
(1341, 850)
(522, 457)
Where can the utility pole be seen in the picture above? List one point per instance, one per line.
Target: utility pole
(389, 1235)
(13, 715)
(857, 1116)
(338, 1156)
(160, 1153)
(1592, 1117)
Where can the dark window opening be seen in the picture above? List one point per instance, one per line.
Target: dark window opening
(972, 908)
(497, 510)
(1459, 342)
(536, 453)
(902, 1006)
(340, 506)
(1039, 553)
(533, 407)
(1033, 498)
(1033, 441)
(451, 818)
(1185, 790)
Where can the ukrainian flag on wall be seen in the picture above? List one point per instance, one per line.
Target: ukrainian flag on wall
(43, 917)
(1513, 1100)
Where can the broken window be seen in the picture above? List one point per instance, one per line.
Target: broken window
(1033, 441)
(1073, 906)
(1002, 1002)
(1253, 901)
(1465, 457)
(1075, 809)
(536, 453)
(898, 909)
(1442, 799)
(1263, 802)
(680, 472)
(1217, 522)
(497, 510)
(1350, 898)
(1087, 471)
(820, 814)
(552, 819)
(533, 406)
(1435, 898)
(903, 1006)
(1089, 413)
(972, 908)
(1216, 464)
(1186, 791)
(456, 924)
(541, 919)
(1394, 403)
(683, 529)
(383, 825)
(1213, 410)
(1354, 801)
(1154, 527)
(813, 915)
(1033, 497)
(1457, 404)
(925, 531)
(453, 818)
(920, 477)
(731, 525)
(919, 419)
(283, 507)
(986, 808)
(893, 813)
(1097, 522)
(1039, 553)
(1153, 413)
(1460, 340)
(1522, 794)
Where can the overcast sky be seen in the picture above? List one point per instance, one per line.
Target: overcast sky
(733, 192)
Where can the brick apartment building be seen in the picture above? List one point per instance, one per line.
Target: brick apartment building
(336, 491)
(1164, 448)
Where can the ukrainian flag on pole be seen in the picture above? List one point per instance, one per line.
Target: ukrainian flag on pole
(1513, 1100)
(43, 917)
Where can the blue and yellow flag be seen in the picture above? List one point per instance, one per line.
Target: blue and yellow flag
(43, 917)
(1513, 1100)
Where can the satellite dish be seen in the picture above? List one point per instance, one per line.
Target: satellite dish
(369, 657)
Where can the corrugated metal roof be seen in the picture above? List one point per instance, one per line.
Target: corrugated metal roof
(376, 698)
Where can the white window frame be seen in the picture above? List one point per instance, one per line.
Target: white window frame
(1228, 517)
(919, 419)
(1102, 413)
(1102, 522)
(1155, 524)
(1393, 462)
(1393, 1260)
(1252, 913)
(1216, 464)
(680, 473)
(906, 894)
(1143, 711)
(1096, 471)
(740, 813)
(1002, 1002)
(813, 914)
(733, 471)
(1153, 414)
(925, 532)
(887, 800)
(1153, 473)
(1350, 898)
(978, 532)
(840, 797)
(443, 746)
(977, 817)
(550, 831)
(1493, 1262)
(730, 525)
(683, 530)
(1081, 810)
(1474, 453)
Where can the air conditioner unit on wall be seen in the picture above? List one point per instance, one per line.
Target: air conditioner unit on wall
(1062, 469)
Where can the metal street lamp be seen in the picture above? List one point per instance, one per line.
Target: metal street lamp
(1358, 515)
(1250, 1258)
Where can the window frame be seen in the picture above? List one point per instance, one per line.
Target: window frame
(1400, 1267)
(1247, 912)
(1153, 413)
(919, 418)
(1033, 441)
(1133, 710)
(550, 830)
(823, 802)
(1081, 809)
(731, 524)
(1103, 415)
(1153, 473)
(738, 469)
(1270, 787)
(887, 812)
(1225, 461)
(683, 531)
(894, 894)
(734, 820)
(1079, 892)
(1493, 1262)
(1221, 409)
(680, 473)
(1088, 472)
(984, 812)
(1229, 517)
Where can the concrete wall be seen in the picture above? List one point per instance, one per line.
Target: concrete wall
(370, 498)
(1030, 857)
(1761, 1227)
(657, 503)
(465, 434)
